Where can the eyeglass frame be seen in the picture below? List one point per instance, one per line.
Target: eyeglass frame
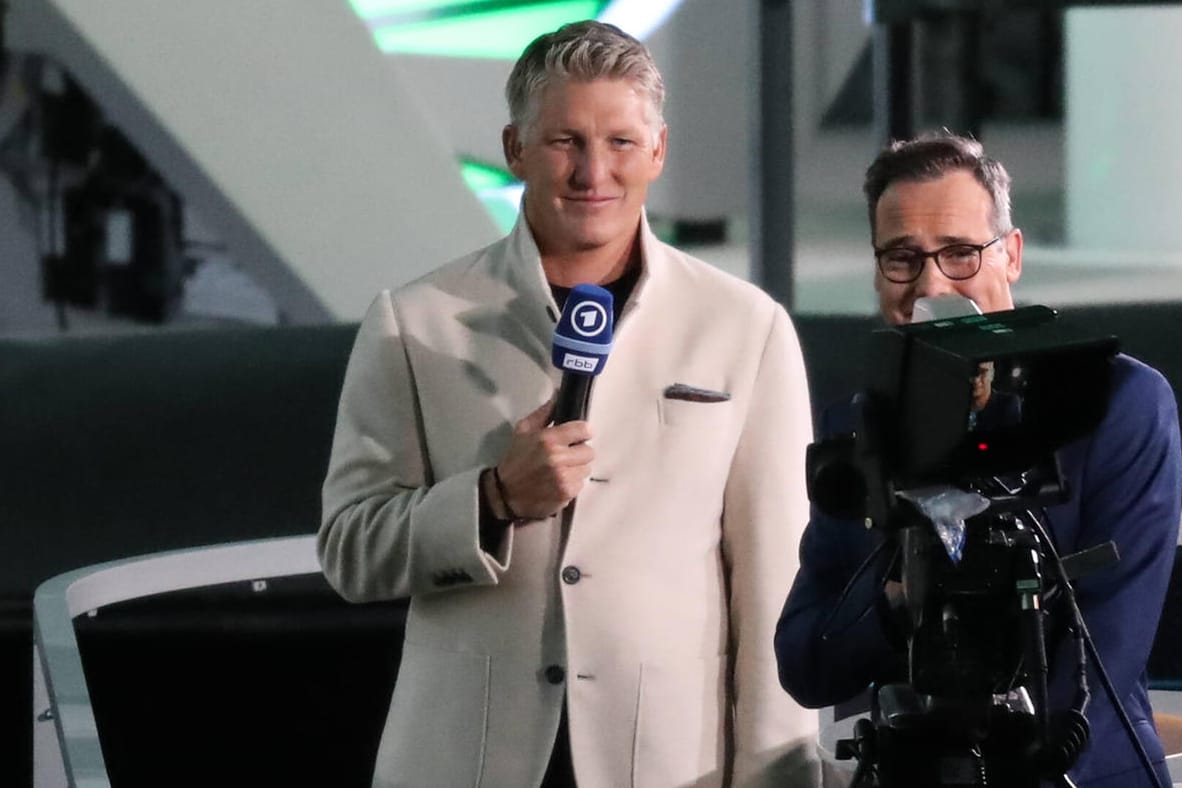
(935, 255)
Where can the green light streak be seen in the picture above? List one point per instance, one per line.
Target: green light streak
(365, 8)
(488, 184)
(484, 176)
(496, 34)
(504, 214)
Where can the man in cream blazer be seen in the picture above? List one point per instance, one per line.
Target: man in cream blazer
(593, 600)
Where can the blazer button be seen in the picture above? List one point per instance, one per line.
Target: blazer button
(571, 575)
(555, 674)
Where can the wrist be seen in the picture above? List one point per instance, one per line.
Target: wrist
(493, 523)
(490, 497)
(505, 509)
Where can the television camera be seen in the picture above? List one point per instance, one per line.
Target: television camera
(953, 455)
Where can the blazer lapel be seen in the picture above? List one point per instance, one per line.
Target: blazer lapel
(517, 262)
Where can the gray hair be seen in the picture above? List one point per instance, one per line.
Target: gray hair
(582, 51)
(934, 155)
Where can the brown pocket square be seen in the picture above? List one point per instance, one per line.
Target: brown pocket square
(694, 394)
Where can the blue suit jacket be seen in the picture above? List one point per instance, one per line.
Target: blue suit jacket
(1126, 483)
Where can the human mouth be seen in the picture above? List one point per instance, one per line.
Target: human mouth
(589, 200)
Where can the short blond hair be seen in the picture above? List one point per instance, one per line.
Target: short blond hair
(582, 51)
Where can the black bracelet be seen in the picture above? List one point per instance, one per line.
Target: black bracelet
(504, 495)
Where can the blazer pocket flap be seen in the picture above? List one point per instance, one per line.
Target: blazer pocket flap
(694, 394)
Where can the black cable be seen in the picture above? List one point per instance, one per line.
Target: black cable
(1126, 723)
(1097, 662)
(1037, 657)
(1071, 729)
(1077, 626)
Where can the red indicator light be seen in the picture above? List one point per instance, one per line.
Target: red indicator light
(982, 447)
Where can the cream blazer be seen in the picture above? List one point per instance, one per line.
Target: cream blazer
(651, 604)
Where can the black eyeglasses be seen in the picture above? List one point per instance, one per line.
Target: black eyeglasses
(903, 264)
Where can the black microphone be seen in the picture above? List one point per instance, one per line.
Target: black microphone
(582, 340)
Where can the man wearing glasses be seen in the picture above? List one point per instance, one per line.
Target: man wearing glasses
(940, 224)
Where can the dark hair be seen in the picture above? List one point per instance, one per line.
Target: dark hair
(932, 156)
(582, 51)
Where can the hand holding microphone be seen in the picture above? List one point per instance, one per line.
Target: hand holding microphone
(582, 341)
(548, 459)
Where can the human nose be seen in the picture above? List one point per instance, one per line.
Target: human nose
(590, 167)
(932, 280)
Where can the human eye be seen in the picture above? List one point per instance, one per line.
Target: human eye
(961, 255)
(622, 143)
(900, 257)
(900, 264)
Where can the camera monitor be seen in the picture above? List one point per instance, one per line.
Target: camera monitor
(962, 398)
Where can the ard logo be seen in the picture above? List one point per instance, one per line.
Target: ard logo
(588, 318)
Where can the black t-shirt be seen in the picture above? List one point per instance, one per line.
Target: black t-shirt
(620, 290)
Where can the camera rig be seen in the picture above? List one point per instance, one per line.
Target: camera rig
(953, 455)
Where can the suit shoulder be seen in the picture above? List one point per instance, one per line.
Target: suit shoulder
(726, 293)
(1141, 400)
(452, 271)
(1134, 380)
(462, 277)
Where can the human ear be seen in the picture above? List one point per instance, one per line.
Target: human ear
(1013, 243)
(658, 155)
(511, 145)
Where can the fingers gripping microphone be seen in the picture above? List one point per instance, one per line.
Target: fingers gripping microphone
(582, 340)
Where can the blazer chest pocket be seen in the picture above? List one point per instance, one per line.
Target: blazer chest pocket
(692, 407)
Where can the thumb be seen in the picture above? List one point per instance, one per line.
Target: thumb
(536, 420)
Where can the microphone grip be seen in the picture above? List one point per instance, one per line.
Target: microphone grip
(571, 402)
